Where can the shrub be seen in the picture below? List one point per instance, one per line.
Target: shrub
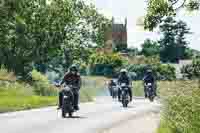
(192, 71)
(41, 84)
(165, 72)
(105, 64)
(162, 71)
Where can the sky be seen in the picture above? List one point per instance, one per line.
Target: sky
(135, 9)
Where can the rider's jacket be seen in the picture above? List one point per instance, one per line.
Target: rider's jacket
(124, 79)
(72, 79)
(149, 78)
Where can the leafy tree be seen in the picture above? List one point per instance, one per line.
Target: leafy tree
(150, 48)
(38, 33)
(158, 9)
(173, 43)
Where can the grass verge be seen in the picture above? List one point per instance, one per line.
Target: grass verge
(19, 96)
(181, 100)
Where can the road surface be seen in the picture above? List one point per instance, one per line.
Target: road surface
(102, 116)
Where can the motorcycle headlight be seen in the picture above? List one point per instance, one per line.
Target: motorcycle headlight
(123, 85)
(65, 97)
(149, 84)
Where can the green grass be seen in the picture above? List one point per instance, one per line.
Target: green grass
(138, 88)
(181, 105)
(164, 128)
(19, 96)
(15, 96)
(11, 103)
(181, 100)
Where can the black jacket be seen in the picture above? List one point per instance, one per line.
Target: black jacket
(149, 78)
(71, 79)
(124, 79)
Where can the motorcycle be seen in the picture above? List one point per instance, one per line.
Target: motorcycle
(68, 101)
(125, 98)
(150, 91)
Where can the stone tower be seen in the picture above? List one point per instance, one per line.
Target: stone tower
(119, 35)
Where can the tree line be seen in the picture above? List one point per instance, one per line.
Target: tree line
(46, 35)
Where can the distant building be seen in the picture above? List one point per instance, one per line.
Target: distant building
(119, 35)
(115, 38)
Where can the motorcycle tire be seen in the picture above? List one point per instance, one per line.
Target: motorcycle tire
(70, 114)
(151, 99)
(124, 103)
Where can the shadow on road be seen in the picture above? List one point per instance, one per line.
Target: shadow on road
(76, 117)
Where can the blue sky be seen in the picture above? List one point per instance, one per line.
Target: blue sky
(135, 9)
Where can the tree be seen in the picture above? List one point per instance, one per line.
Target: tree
(173, 43)
(158, 9)
(150, 48)
(35, 32)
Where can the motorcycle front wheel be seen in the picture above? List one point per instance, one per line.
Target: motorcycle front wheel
(151, 98)
(70, 114)
(63, 113)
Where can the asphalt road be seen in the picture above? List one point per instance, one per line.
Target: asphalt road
(101, 116)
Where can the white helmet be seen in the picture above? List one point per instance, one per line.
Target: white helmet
(123, 71)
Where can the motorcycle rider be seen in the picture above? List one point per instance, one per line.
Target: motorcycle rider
(149, 78)
(110, 86)
(124, 78)
(71, 78)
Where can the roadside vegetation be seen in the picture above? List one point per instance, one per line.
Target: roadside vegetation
(181, 101)
(180, 114)
(18, 95)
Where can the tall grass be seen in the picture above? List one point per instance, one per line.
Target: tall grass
(181, 112)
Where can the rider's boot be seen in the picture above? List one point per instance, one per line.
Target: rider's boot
(76, 99)
(76, 107)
